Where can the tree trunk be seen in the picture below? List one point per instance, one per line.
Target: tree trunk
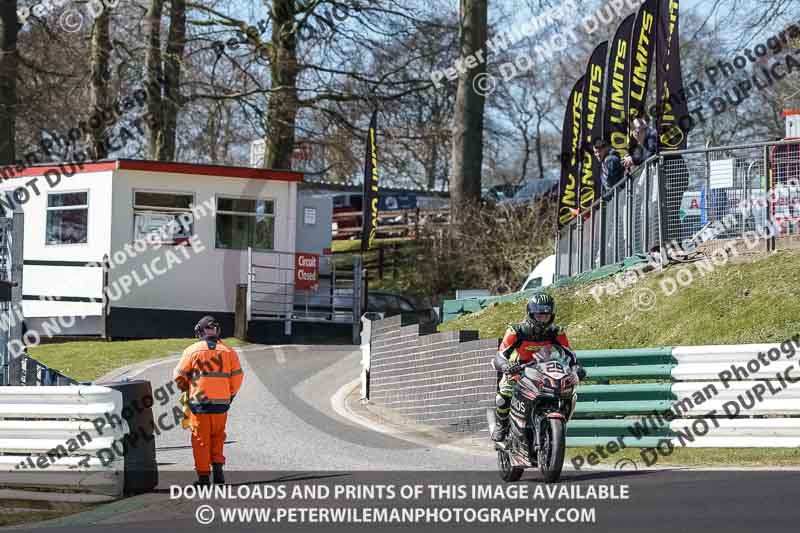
(539, 154)
(100, 54)
(8, 80)
(282, 105)
(154, 74)
(465, 183)
(176, 44)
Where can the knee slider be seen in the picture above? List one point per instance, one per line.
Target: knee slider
(502, 401)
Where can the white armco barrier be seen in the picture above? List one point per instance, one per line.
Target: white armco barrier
(708, 362)
(744, 386)
(62, 438)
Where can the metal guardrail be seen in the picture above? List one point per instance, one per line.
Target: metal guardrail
(48, 440)
(675, 196)
(606, 412)
(27, 371)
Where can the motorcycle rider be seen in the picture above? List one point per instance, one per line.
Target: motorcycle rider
(533, 337)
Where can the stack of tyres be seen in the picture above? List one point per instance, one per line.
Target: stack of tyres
(141, 468)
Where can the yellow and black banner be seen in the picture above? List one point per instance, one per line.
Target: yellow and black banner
(672, 118)
(615, 115)
(370, 218)
(570, 163)
(592, 115)
(642, 55)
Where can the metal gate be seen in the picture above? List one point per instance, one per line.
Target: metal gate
(272, 294)
(11, 237)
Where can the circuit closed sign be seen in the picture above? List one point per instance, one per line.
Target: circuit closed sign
(306, 272)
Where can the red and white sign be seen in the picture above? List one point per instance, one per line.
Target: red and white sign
(306, 271)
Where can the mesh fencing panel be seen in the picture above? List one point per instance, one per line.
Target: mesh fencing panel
(713, 196)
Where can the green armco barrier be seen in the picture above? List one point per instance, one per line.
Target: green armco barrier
(631, 372)
(609, 426)
(621, 408)
(644, 442)
(602, 272)
(638, 391)
(624, 353)
(455, 308)
(629, 356)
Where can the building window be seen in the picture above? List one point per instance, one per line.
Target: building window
(243, 222)
(154, 211)
(67, 218)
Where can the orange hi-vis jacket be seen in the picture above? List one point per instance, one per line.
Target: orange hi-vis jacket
(211, 373)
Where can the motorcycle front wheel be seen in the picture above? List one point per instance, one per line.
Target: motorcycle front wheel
(551, 453)
(507, 472)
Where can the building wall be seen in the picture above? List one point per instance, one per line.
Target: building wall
(206, 281)
(203, 283)
(439, 379)
(52, 280)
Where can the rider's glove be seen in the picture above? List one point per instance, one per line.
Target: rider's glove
(513, 369)
(581, 372)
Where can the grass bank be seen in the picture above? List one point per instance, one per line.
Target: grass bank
(737, 303)
(88, 360)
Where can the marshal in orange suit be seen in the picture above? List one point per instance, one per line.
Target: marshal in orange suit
(211, 374)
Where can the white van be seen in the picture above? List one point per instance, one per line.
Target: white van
(543, 275)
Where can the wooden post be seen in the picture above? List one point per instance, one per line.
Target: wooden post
(364, 291)
(240, 319)
(106, 303)
(394, 260)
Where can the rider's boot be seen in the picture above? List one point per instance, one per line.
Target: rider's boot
(501, 428)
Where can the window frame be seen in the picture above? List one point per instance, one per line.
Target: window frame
(66, 208)
(218, 212)
(157, 210)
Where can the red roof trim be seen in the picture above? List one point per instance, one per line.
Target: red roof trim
(39, 170)
(176, 168)
(211, 170)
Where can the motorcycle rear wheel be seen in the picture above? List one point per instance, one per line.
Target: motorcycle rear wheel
(551, 455)
(507, 472)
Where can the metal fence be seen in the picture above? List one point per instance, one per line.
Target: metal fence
(27, 371)
(687, 198)
(11, 237)
(274, 296)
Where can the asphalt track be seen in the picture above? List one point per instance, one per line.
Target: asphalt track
(283, 431)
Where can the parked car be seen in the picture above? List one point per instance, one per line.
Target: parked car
(532, 190)
(498, 193)
(386, 303)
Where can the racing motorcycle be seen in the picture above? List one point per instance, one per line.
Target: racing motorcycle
(543, 402)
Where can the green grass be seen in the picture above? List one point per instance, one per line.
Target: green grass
(705, 457)
(354, 245)
(737, 303)
(88, 360)
(750, 302)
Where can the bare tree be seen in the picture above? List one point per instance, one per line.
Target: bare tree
(465, 182)
(99, 63)
(8, 80)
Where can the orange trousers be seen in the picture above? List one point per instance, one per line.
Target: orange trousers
(208, 437)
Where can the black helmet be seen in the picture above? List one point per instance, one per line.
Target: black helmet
(205, 323)
(541, 303)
